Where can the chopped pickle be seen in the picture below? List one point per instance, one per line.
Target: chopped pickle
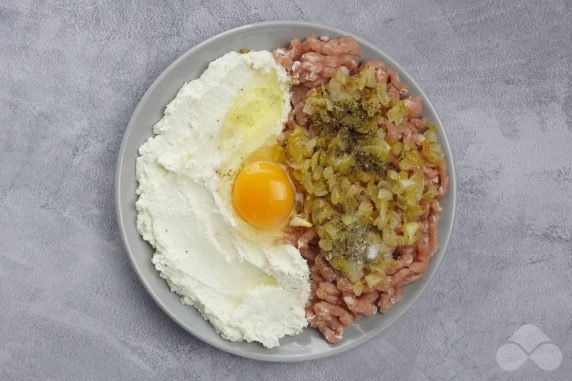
(374, 278)
(363, 193)
(397, 113)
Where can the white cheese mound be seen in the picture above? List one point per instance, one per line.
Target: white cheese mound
(248, 290)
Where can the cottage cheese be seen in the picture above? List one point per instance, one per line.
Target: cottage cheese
(249, 289)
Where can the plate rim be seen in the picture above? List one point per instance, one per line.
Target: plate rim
(437, 259)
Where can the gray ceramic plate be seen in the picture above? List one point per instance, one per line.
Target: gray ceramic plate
(269, 35)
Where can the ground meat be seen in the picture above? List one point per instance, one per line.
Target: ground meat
(388, 298)
(298, 97)
(322, 268)
(330, 319)
(307, 243)
(364, 304)
(314, 61)
(335, 303)
(329, 292)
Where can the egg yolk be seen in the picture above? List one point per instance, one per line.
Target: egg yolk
(263, 194)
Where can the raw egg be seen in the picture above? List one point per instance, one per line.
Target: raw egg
(263, 194)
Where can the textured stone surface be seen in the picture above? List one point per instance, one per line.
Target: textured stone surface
(71, 73)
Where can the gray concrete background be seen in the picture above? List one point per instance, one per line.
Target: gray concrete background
(71, 73)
